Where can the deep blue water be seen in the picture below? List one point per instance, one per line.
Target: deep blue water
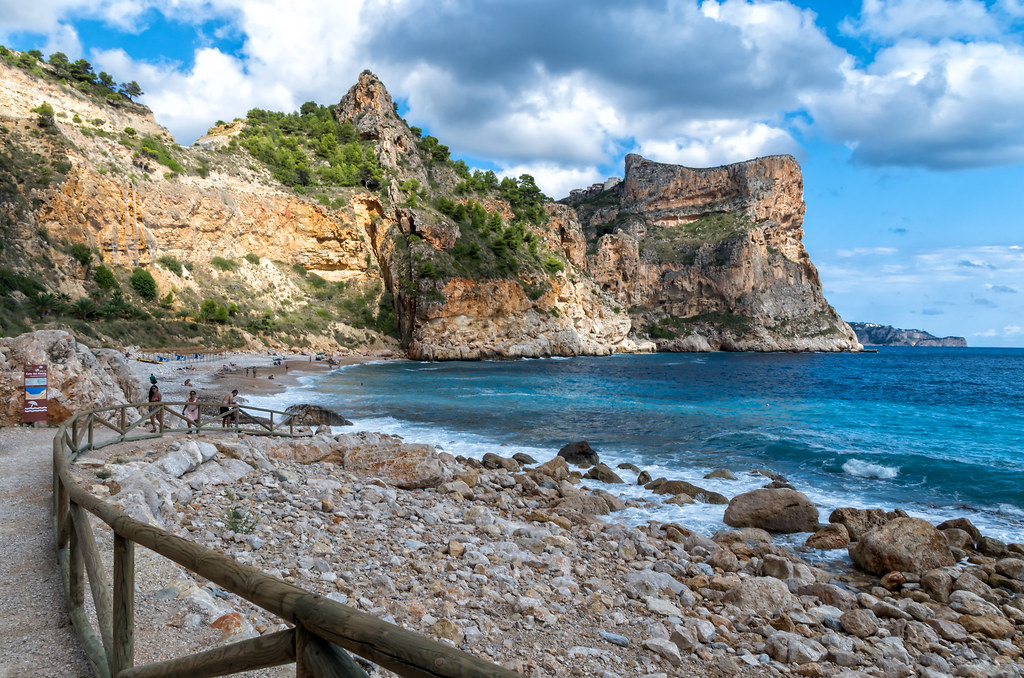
(939, 432)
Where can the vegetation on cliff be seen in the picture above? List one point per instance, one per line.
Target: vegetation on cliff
(310, 148)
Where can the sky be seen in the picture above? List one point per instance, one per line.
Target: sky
(907, 116)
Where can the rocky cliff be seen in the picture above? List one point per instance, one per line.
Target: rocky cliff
(872, 334)
(710, 259)
(469, 267)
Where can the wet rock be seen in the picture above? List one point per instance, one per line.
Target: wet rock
(675, 487)
(723, 473)
(579, 454)
(524, 459)
(602, 473)
(493, 461)
(643, 478)
(783, 511)
(904, 544)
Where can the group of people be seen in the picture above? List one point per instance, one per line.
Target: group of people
(190, 411)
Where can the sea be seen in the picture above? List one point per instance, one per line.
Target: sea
(938, 432)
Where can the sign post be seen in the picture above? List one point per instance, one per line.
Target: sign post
(35, 393)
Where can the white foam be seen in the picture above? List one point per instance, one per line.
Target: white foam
(865, 469)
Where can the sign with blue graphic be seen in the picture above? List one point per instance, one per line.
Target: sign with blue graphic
(35, 393)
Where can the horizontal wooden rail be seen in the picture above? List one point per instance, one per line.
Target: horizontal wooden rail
(322, 627)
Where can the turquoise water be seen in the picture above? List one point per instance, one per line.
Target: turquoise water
(938, 432)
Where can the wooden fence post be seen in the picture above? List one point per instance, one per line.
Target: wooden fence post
(124, 604)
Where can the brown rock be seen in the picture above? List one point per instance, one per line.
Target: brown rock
(1012, 568)
(763, 596)
(833, 536)
(830, 594)
(493, 461)
(456, 548)
(957, 538)
(904, 544)
(859, 622)
(683, 487)
(962, 524)
(784, 511)
(556, 469)
(409, 467)
(948, 630)
(893, 581)
(857, 521)
(602, 473)
(990, 625)
(579, 454)
(938, 584)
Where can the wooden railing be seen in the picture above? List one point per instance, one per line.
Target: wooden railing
(322, 629)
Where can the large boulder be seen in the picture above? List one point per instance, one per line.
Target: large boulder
(902, 544)
(579, 454)
(857, 521)
(314, 415)
(602, 473)
(775, 510)
(76, 379)
(765, 597)
(409, 467)
(677, 487)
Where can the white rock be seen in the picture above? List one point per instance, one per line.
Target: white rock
(662, 607)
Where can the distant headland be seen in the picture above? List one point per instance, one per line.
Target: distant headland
(873, 334)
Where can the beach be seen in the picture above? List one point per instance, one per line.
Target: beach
(252, 374)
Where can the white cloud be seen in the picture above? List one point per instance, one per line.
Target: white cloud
(553, 180)
(895, 19)
(866, 252)
(719, 142)
(949, 105)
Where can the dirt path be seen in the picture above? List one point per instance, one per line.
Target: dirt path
(36, 637)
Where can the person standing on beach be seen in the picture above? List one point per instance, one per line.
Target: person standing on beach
(191, 412)
(154, 397)
(227, 409)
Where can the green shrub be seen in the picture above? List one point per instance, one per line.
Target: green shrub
(222, 264)
(300, 269)
(104, 277)
(143, 284)
(171, 263)
(553, 265)
(130, 131)
(252, 259)
(81, 253)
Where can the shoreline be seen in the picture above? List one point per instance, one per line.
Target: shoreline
(213, 380)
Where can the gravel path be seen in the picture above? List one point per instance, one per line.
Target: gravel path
(36, 636)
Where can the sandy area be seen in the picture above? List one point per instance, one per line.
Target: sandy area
(253, 374)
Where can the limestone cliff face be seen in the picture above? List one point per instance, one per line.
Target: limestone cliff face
(713, 258)
(696, 259)
(133, 224)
